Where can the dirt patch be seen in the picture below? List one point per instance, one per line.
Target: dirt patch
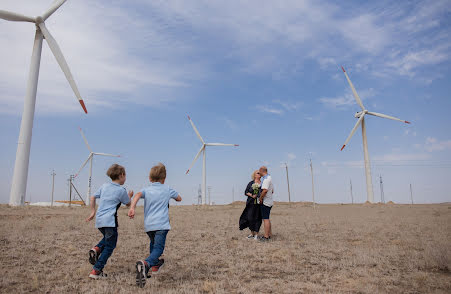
(335, 248)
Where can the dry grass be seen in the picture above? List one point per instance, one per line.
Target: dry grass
(336, 249)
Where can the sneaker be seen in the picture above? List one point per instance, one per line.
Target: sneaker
(256, 237)
(157, 268)
(94, 274)
(94, 254)
(141, 274)
(264, 239)
(250, 236)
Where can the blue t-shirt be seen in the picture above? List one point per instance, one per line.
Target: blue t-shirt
(111, 196)
(156, 210)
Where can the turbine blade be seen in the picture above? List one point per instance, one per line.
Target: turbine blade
(387, 116)
(354, 92)
(106, 154)
(353, 130)
(220, 144)
(62, 62)
(84, 138)
(195, 158)
(12, 16)
(195, 129)
(52, 9)
(83, 165)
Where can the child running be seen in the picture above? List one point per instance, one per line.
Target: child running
(156, 220)
(111, 196)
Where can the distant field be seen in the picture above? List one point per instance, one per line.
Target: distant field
(337, 249)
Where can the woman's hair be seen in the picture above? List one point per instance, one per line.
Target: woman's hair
(115, 171)
(158, 173)
(253, 174)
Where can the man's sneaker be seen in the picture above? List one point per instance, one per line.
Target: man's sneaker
(256, 237)
(94, 254)
(141, 273)
(94, 274)
(157, 268)
(264, 239)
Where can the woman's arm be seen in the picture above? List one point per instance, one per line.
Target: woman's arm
(249, 187)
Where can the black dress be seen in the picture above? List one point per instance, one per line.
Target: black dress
(251, 217)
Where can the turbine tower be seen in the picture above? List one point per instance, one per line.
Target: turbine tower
(19, 181)
(361, 121)
(90, 158)
(204, 163)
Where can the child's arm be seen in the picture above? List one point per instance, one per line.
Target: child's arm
(93, 209)
(131, 212)
(130, 195)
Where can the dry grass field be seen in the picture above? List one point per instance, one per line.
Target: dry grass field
(335, 249)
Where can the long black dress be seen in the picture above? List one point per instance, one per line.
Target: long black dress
(251, 217)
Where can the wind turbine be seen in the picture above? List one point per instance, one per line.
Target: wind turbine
(361, 121)
(90, 158)
(204, 164)
(19, 181)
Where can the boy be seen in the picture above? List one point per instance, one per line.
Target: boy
(156, 220)
(111, 195)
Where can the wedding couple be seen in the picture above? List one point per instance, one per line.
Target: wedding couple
(259, 202)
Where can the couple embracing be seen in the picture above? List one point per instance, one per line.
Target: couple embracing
(259, 202)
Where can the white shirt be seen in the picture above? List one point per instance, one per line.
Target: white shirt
(267, 184)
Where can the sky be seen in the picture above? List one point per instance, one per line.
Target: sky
(262, 74)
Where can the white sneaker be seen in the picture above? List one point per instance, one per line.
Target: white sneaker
(250, 236)
(255, 237)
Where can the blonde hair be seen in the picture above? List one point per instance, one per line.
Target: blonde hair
(253, 174)
(115, 171)
(157, 173)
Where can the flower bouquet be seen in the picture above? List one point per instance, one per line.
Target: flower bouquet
(256, 188)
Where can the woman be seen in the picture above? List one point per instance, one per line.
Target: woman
(251, 217)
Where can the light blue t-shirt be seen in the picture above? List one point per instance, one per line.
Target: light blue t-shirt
(111, 196)
(156, 210)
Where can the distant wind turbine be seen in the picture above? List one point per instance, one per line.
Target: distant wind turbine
(90, 158)
(361, 121)
(203, 150)
(19, 181)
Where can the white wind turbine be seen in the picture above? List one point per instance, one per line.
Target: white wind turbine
(19, 181)
(361, 120)
(90, 158)
(204, 164)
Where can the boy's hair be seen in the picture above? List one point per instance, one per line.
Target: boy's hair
(115, 171)
(157, 173)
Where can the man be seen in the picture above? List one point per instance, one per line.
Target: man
(266, 201)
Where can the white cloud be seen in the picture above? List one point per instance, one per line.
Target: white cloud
(115, 55)
(269, 109)
(432, 144)
(347, 99)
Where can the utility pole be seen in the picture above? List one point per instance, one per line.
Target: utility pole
(70, 189)
(199, 195)
(209, 195)
(288, 183)
(313, 186)
(382, 189)
(53, 184)
(411, 194)
(350, 185)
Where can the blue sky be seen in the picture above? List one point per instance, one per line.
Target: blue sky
(262, 74)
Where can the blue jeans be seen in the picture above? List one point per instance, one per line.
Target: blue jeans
(157, 242)
(106, 245)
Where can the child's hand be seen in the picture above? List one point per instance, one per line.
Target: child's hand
(130, 194)
(91, 216)
(131, 213)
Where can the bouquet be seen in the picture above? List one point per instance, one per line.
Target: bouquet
(255, 187)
